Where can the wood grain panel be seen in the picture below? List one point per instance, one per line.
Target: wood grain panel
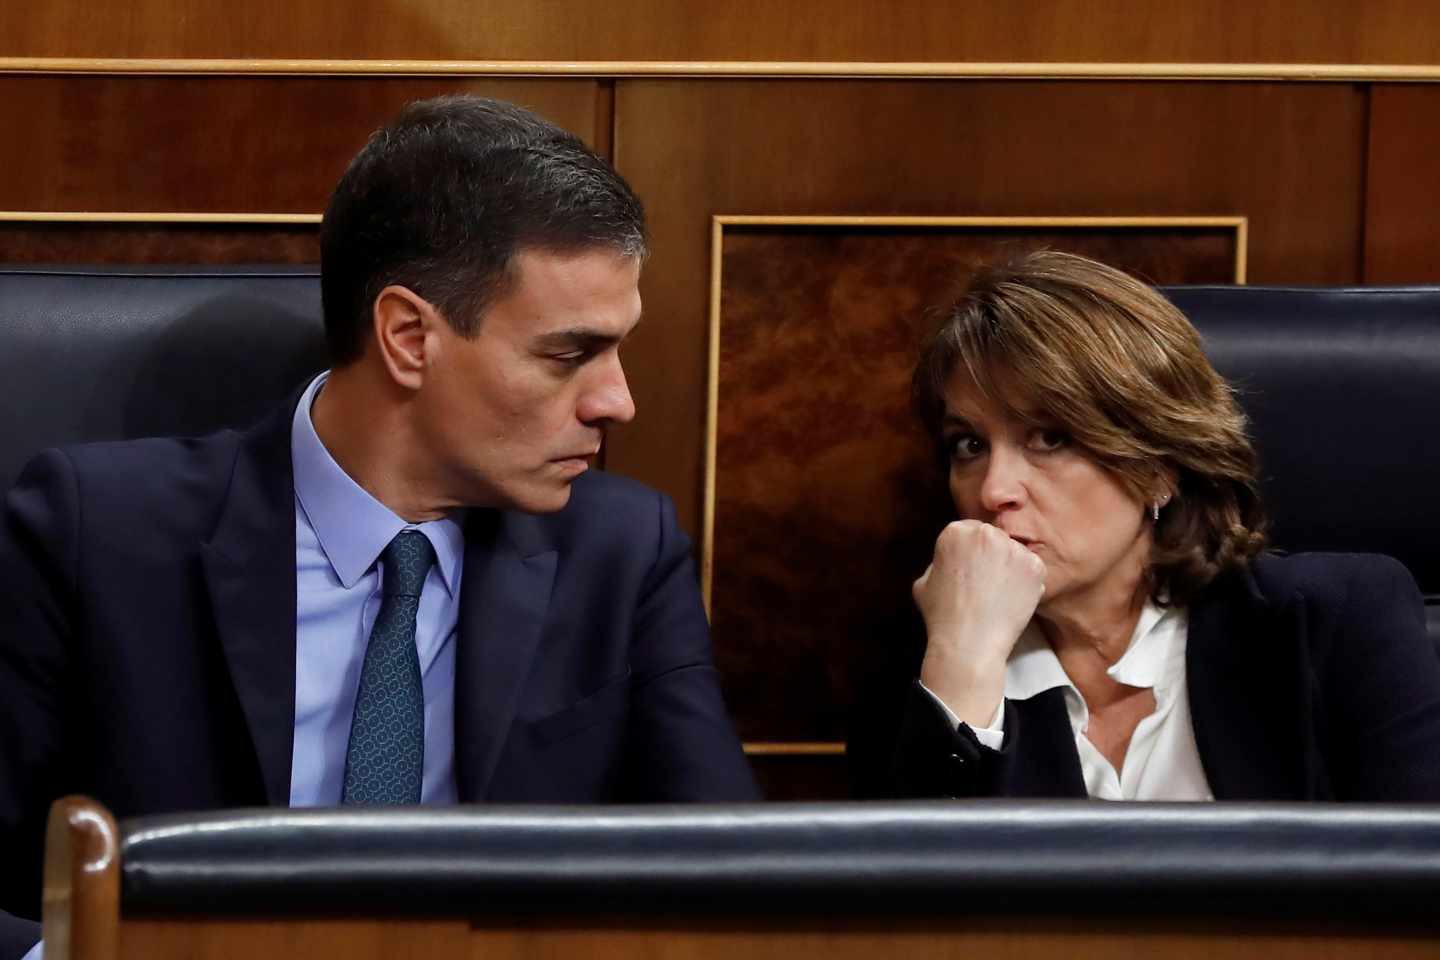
(801, 777)
(1287, 156)
(217, 143)
(81, 900)
(1300, 31)
(782, 938)
(134, 243)
(353, 939)
(827, 493)
(1402, 192)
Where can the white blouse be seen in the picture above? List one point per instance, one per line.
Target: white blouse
(1162, 761)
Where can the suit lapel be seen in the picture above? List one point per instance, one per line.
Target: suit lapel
(249, 568)
(504, 598)
(1247, 701)
(1048, 765)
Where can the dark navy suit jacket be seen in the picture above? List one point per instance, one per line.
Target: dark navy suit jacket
(147, 645)
(1310, 677)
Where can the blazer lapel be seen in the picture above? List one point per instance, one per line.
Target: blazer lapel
(504, 598)
(249, 568)
(1048, 764)
(1247, 699)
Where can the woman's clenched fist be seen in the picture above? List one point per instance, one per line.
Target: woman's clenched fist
(977, 596)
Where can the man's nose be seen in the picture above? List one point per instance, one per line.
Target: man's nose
(608, 398)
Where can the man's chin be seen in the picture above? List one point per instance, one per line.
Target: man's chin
(547, 499)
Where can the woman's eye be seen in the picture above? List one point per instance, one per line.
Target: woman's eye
(1049, 439)
(966, 446)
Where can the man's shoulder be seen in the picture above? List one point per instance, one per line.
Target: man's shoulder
(176, 455)
(124, 480)
(596, 491)
(607, 512)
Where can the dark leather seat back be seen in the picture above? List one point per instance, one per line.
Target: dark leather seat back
(1342, 386)
(102, 354)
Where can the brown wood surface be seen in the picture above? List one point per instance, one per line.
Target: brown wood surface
(216, 144)
(1288, 156)
(1402, 192)
(838, 938)
(134, 243)
(1304, 31)
(82, 881)
(801, 777)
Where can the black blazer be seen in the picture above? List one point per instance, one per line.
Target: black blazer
(147, 644)
(1310, 677)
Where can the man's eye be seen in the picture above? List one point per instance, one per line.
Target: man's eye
(571, 357)
(965, 446)
(1049, 439)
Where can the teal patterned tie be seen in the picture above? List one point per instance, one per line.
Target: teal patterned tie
(385, 761)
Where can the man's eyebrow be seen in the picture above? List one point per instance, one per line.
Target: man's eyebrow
(576, 338)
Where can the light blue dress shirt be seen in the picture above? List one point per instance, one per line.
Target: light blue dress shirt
(340, 532)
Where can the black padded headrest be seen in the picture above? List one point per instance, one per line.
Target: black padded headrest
(1038, 857)
(1342, 387)
(105, 354)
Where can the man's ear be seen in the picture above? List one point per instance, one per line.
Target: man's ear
(405, 325)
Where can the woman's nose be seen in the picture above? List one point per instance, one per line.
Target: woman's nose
(1003, 485)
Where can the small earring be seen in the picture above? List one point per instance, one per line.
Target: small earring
(1155, 510)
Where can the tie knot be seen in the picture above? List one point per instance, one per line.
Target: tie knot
(407, 560)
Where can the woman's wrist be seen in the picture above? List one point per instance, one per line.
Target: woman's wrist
(971, 687)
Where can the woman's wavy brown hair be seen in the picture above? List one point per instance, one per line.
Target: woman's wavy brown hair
(1106, 357)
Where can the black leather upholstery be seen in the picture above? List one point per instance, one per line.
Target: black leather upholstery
(1343, 389)
(103, 354)
(1342, 385)
(1057, 857)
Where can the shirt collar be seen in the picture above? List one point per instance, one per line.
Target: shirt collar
(1143, 664)
(1033, 667)
(352, 526)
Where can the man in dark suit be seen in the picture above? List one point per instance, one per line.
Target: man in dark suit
(405, 586)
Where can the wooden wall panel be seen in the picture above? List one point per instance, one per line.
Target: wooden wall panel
(1402, 190)
(218, 144)
(1289, 157)
(1024, 933)
(133, 243)
(1300, 31)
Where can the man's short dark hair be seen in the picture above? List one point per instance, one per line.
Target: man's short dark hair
(441, 200)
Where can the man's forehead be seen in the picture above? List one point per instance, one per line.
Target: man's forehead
(593, 291)
(582, 267)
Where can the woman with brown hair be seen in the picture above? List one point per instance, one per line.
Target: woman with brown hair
(1102, 620)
